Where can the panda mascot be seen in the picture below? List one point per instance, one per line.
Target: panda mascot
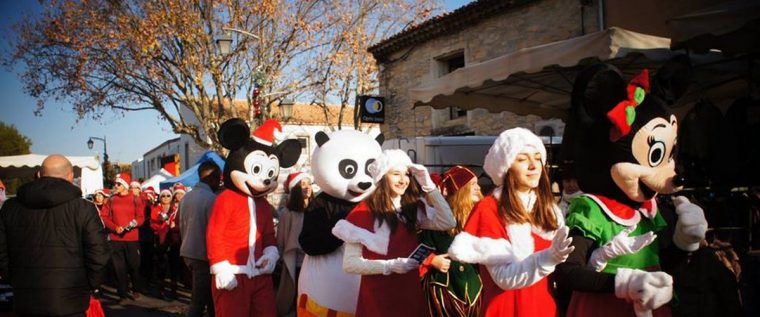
(339, 165)
(240, 236)
(623, 137)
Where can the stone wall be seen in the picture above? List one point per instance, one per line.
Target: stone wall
(539, 22)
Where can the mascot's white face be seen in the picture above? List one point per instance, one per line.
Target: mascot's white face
(340, 161)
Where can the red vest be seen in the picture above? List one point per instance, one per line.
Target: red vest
(394, 294)
(531, 301)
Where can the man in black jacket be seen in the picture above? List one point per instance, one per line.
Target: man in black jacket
(53, 246)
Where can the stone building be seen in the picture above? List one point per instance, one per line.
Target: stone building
(484, 30)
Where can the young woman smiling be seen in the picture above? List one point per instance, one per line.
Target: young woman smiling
(517, 233)
(380, 236)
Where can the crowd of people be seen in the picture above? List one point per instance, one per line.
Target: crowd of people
(414, 244)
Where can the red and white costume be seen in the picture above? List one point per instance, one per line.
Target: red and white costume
(240, 234)
(513, 274)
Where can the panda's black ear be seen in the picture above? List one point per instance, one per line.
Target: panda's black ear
(233, 133)
(673, 79)
(380, 138)
(321, 138)
(597, 89)
(288, 152)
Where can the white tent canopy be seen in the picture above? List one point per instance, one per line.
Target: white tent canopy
(155, 180)
(86, 168)
(538, 80)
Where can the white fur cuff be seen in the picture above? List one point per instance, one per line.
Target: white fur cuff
(471, 249)
(376, 242)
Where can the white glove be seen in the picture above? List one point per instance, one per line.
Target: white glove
(559, 250)
(268, 260)
(621, 244)
(225, 280)
(399, 265)
(422, 176)
(646, 290)
(691, 225)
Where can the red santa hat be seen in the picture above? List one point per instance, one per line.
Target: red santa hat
(150, 192)
(456, 178)
(294, 179)
(179, 187)
(134, 184)
(105, 192)
(123, 179)
(166, 192)
(269, 132)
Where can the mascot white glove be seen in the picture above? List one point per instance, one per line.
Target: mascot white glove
(399, 265)
(560, 249)
(621, 244)
(268, 260)
(422, 176)
(224, 276)
(646, 290)
(691, 225)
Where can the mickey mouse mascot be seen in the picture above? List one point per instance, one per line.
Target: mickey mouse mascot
(240, 237)
(622, 139)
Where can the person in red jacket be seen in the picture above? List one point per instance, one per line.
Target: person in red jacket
(240, 239)
(163, 217)
(121, 216)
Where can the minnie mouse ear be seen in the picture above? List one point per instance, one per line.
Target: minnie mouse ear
(233, 133)
(673, 79)
(597, 89)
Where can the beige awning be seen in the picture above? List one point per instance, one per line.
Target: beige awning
(732, 27)
(538, 80)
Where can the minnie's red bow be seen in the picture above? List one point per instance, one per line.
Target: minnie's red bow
(624, 113)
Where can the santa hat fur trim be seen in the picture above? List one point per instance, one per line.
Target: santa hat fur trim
(390, 159)
(502, 153)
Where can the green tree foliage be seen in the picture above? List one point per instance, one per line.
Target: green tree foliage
(12, 142)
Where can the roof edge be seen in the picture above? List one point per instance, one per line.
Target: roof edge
(443, 24)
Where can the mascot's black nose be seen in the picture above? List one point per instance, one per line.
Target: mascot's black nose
(679, 180)
(364, 185)
(267, 182)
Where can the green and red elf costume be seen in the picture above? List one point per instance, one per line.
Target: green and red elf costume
(456, 292)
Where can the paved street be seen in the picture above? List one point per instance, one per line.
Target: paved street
(146, 306)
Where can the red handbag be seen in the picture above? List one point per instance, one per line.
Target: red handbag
(95, 309)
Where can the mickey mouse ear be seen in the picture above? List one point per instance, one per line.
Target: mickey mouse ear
(233, 133)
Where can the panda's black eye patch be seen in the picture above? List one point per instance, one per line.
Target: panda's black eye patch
(366, 166)
(347, 168)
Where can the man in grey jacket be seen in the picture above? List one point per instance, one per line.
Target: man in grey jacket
(193, 219)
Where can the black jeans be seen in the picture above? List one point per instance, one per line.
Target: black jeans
(126, 259)
(201, 288)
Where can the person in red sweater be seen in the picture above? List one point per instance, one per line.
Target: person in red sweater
(240, 239)
(517, 232)
(121, 216)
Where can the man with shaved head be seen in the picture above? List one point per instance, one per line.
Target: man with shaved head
(53, 247)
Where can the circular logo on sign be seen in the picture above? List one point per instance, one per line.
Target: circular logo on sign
(373, 105)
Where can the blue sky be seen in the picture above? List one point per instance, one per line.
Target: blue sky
(57, 131)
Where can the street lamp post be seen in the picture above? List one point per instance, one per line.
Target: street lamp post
(91, 143)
